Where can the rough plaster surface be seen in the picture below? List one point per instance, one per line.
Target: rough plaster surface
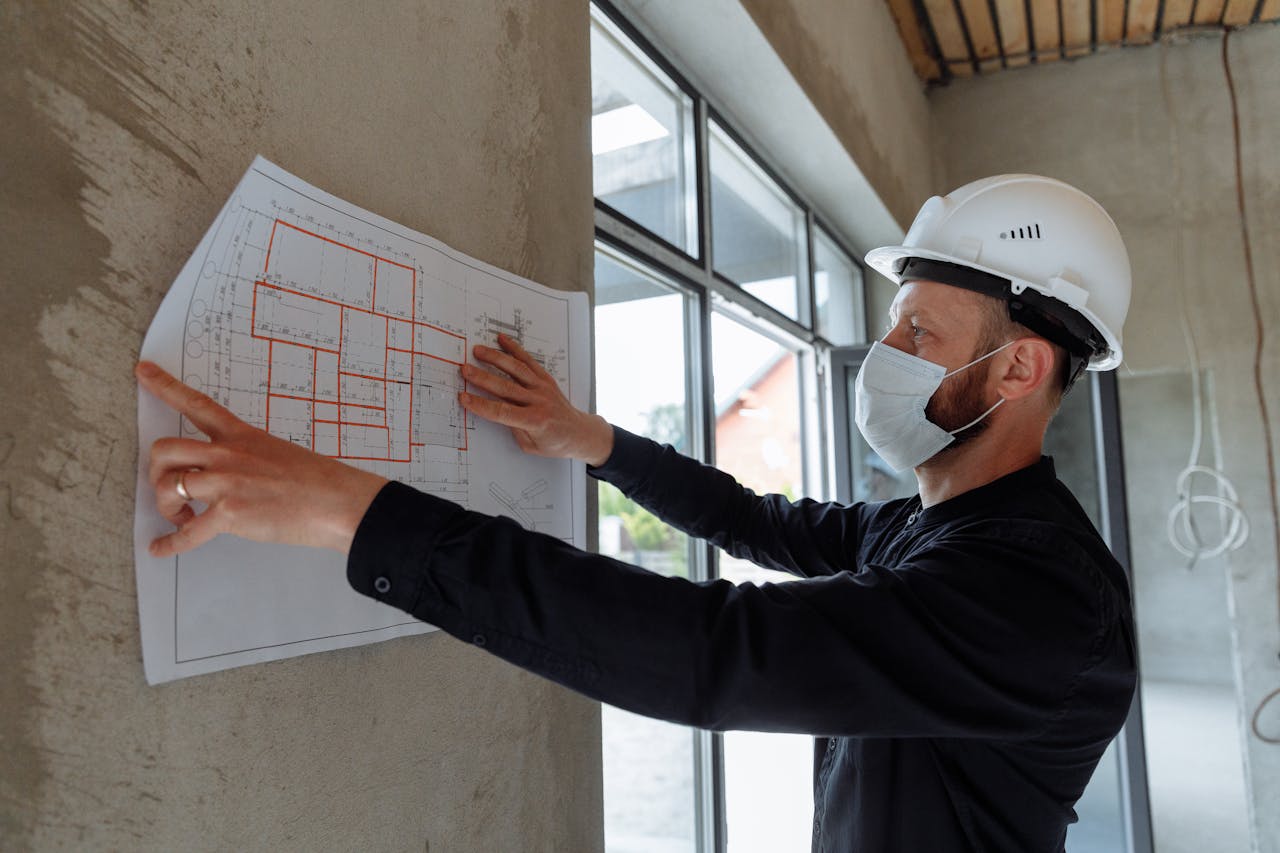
(123, 127)
(1157, 429)
(849, 59)
(1165, 169)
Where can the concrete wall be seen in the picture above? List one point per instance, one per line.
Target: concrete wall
(1165, 169)
(849, 59)
(124, 126)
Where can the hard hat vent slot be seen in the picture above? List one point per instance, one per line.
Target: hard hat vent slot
(1022, 232)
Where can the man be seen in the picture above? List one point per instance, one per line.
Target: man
(964, 656)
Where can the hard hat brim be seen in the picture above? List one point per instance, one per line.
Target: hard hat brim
(884, 260)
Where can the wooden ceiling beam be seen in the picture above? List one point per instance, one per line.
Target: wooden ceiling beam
(950, 34)
(1110, 21)
(1140, 27)
(1047, 35)
(910, 30)
(1077, 27)
(1239, 12)
(1209, 12)
(1177, 13)
(1013, 32)
(982, 33)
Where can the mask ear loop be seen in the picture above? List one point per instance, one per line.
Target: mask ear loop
(980, 358)
(979, 418)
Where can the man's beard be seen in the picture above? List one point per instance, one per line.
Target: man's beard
(958, 401)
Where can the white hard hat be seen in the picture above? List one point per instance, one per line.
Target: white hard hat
(1043, 245)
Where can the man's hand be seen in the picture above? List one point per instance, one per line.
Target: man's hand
(528, 400)
(256, 486)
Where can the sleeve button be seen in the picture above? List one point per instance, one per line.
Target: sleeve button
(382, 585)
(479, 639)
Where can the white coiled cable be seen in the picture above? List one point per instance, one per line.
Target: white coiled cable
(1183, 531)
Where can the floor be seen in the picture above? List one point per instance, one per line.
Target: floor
(1194, 768)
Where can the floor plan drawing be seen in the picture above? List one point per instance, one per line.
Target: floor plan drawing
(343, 332)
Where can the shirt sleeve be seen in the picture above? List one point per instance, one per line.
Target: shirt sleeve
(902, 652)
(803, 537)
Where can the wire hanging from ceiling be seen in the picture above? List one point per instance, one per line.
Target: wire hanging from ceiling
(1184, 532)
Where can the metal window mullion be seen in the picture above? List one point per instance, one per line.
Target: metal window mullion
(652, 252)
(809, 303)
(730, 292)
(708, 782)
(811, 382)
(702, 181)
(1109, 453)
(708, 746)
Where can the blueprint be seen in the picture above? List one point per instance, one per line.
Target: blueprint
(343, 332)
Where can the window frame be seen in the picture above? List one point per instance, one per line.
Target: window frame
(710, 292)
(654, 61)
(804, 285)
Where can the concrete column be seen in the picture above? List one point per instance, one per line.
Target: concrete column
(124, 126)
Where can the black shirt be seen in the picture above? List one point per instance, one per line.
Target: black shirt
(963, 666)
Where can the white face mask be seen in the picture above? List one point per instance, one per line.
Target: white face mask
(890, 395)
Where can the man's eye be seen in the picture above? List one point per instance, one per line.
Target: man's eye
(916, 331)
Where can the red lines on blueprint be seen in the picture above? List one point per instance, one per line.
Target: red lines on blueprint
(351, 371)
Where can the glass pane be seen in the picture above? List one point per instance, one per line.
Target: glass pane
(837, 293)
(648, 764)
(641, 138)
(757, 231)
(1071, 443)
(768, 777)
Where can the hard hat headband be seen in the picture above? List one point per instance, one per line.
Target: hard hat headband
(1044, 315)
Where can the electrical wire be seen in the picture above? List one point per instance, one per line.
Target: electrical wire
(1181, 527)
(1257, 715)
(1258, 352)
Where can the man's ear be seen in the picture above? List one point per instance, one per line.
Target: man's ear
(1028, 365)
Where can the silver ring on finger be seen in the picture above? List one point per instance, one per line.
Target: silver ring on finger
(181, 487)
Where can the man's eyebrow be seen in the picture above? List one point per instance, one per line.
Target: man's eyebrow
(919, 312)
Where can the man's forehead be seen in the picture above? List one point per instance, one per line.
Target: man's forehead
(926, 297)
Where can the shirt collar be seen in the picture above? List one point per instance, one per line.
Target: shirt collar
(1034, 476)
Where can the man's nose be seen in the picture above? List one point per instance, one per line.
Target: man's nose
(898, 337)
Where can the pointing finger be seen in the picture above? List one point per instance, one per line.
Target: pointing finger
(210, 418)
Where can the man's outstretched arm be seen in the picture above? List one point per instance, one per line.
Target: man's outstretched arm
(878, 652)
(802, 537)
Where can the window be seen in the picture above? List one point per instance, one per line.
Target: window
(641, 138)
(715, 277)
(759, 431)
(641, 368)
(837, 293)
(757, 231)
(713, 348)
